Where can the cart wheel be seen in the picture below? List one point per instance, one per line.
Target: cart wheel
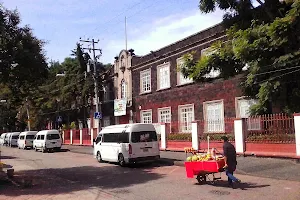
(201, 178)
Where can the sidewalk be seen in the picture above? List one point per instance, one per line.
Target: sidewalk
(283, 169)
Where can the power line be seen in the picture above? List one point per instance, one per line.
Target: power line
(129, 7)
(278, 70)
(272, 78)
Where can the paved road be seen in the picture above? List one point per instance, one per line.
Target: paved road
(282, 169)
(67, 175)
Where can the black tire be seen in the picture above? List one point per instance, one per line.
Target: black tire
(35, 148)
(121, 160)
(201, 178)
(44, 149)
(58, 149)
(99, 158)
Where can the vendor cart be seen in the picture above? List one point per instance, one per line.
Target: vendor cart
(202, 170)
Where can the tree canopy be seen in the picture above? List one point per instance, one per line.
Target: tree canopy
(267, 53)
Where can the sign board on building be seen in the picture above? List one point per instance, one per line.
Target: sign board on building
(119, 107)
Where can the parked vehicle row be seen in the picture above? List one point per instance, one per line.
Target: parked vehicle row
(43, 140)
(127, 143)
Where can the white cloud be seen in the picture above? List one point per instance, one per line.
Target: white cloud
(161, 32)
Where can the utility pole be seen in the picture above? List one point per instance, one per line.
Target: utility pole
(28, 116)
(93, 42)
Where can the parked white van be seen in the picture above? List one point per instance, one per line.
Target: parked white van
(7, 139)
(13, 140)
(47, 140)
(2, 138)
(26, 139)
(127, 143)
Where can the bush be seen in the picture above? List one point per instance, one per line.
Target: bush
(273, 138)
(217, 136)
(180, 136)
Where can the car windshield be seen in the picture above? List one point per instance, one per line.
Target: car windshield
(52, 137)
(30, 137)
(143, 136)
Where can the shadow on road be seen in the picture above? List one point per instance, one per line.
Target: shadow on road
(7, 157)
(65, 180)
(242, 186)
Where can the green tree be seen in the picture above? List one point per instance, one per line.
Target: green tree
(22, 63)
(269, 51)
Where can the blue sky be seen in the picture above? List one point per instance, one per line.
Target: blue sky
(151, 24)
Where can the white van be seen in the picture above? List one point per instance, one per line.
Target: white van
(26, 139)
(13, 140)
(7, 139)
(2, 138)
(47, 140)
(127, 143)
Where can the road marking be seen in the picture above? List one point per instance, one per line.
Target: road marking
(173, 170)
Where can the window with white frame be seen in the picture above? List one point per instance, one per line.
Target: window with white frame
(213, 73)
(163, 76)
(186, 116)
(123, 89)
(181, 80)
(106, 121)
(145, 78)
(146, 116)
(243, 111)
(214, 116)
(164, 115)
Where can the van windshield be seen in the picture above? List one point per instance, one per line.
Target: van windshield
(29, 137)
(52, 137)
(14, 137)
(143, 136)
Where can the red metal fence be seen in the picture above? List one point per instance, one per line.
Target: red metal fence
(67, 137)
(86, 136)
(76, 136)
(276, 128)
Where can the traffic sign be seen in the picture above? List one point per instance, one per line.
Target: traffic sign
(98, 115)
(59, 119)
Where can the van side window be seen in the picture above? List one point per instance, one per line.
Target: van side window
(22, 137)
(111, 137)
(42, 137)
(143, 136)
(38, 137)
(123, 137)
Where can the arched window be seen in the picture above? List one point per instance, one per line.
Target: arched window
(123, 89)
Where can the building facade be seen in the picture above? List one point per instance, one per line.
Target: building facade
(162, 94)
(123, 87)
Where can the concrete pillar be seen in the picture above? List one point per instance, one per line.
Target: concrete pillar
(80, 136)
(63, 136)
(163, 137)
(195, 139)
(92, 136)
(71, 136)
(239, 134)
(297, 132)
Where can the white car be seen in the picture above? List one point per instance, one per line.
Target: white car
(47, 140)
(127, 143)
(26, 139)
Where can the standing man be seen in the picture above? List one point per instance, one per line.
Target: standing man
(230, 161)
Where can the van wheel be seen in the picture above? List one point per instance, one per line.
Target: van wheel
(99, 158)
(121, 160)
(44, 149)
(35, 148)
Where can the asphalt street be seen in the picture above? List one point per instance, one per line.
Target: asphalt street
(282, 169)
(68, 175)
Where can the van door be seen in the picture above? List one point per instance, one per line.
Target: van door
(109, 147)
(144, 143)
